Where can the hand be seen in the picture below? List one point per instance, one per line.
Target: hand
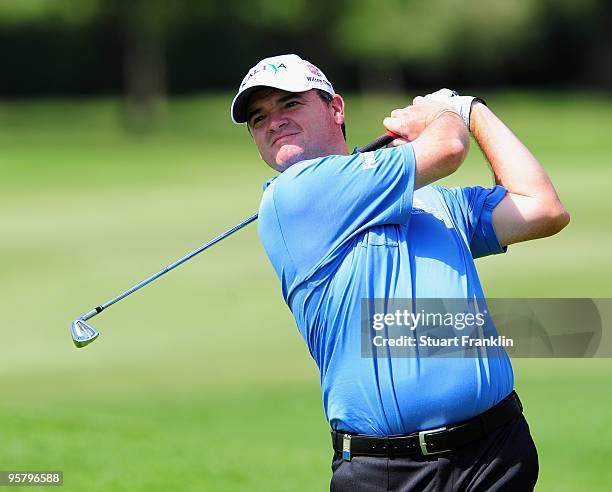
(462, 105)
(409, 122)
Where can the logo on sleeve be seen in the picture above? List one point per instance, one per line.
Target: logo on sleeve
(369, 160)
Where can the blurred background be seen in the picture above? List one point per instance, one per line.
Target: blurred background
(117, 156)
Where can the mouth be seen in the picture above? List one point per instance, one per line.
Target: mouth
(282, 137)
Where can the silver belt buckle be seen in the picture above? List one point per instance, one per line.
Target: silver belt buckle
(423, 443)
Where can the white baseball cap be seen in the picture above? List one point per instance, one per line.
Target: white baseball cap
(286, 72)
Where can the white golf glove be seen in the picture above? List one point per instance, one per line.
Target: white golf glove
(462, 105)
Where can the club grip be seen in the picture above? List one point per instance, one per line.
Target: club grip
(378, 143)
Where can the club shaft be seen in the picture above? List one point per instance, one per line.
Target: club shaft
(375, 144)
(180, 261)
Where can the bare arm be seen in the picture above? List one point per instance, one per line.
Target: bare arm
(439, 138)
(531, 209)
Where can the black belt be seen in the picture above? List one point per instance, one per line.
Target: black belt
(428, 442)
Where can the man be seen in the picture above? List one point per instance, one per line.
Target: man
(341, 227)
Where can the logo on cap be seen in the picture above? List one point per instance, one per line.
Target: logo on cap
(314, 70)
(267, 67)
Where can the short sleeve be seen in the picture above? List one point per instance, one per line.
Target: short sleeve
(472, 208)
(321, 204)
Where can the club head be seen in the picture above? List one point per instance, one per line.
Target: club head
(82, 333)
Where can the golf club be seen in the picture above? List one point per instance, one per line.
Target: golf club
(83, 333)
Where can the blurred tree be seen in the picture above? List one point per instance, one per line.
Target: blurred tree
(582, 32)
(142, 26)
(16, 12)
(428, 35)
(69, 46)
(146, 26)
(141, 23)
(491, 38)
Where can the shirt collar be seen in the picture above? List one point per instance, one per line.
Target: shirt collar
(269, 182)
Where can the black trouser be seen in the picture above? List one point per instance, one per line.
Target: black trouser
(506, 459)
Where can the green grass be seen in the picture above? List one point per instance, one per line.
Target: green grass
(201, 382)
(222, 441)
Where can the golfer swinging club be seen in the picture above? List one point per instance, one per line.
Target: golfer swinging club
(341, 227)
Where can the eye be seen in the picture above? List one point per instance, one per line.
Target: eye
(290, 104)
(257, 119)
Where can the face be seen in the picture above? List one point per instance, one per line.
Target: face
(289, 127)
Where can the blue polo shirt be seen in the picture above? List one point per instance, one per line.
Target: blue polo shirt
(340, 229)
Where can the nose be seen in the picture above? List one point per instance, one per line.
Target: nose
(277, 121)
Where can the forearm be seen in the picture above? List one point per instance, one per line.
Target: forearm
(513, 165)
(439, 138)
(532, 208)
(440, 148)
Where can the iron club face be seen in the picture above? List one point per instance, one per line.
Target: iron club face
(82, 333)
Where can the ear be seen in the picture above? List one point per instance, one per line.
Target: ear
(337, 104)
